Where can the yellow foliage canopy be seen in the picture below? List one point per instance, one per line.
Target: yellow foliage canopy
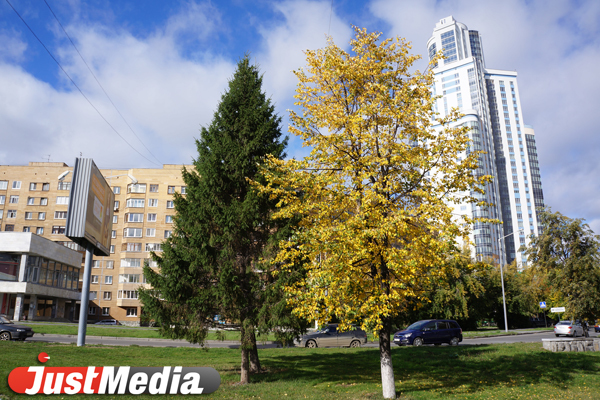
(373, 193)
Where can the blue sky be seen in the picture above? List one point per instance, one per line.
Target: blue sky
(165, 65)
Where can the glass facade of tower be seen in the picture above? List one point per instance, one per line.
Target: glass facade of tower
(492, 110)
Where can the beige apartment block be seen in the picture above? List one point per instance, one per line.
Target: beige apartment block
(33, 199)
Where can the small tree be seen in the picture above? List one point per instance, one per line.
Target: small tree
(567, 251)
(213, 264)
(373, 195)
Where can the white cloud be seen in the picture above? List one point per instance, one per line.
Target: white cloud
(305, 26)
(164, 96)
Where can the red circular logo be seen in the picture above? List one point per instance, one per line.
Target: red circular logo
(43, 357)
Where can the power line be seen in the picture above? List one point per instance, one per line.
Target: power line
(74, 84)
(98, 82)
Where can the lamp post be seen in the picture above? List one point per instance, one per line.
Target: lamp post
(502, 279)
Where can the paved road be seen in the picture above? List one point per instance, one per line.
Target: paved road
(535, 336)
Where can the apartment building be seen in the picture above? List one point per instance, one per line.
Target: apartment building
(490, 102)
(34, 198)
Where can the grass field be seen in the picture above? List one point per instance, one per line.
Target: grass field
(519, 371)
(151, 333)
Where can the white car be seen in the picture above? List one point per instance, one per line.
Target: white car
(568, 328)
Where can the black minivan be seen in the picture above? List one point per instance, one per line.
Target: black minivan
(430, 331)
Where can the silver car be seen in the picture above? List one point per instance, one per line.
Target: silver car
(568, 328)
(330, 337)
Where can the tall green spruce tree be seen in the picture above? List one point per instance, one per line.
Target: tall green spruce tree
(216, 261)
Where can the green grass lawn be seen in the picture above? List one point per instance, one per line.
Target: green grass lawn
(512, 371)
(121, 331)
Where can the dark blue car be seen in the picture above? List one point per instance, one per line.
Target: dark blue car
(430, 331)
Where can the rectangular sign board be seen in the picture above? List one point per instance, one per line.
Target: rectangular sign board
(89, 219)
(557, 309)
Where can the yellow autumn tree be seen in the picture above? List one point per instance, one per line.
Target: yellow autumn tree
(373, 196)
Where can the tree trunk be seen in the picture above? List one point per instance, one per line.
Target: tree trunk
(388, 384)
(254, 361)
(245, 372)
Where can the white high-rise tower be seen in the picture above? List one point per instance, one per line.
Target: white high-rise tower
(489, 100)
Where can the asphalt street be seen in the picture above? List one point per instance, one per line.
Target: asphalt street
(523, 336)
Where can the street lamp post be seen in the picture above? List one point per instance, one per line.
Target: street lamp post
(502, 261)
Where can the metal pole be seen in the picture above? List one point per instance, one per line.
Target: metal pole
(502, 279)
(503, 299)
(85, 295)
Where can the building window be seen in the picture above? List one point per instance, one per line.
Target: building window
(110, 264)
(92, 310)
(132, 232)
(60, 215)
(183, 189)
(14, 199)
(45, 187)
(41, 216)
(39, 231)
(153, 247)
(152, 202)
(26, 229)
(129, 278)
(31, 201)
(112, 249)
(171, 189)
(134, 217)
(96, 264)
(108, 280)
(115, 219)
(44, 201)
(105, 310)
(135, 203)
(113, 234)
(170, 204)
(9, 228)
(107, 295)
(150, 232)
(131, 262)
(62, 185)
(153, 188)
(116, 189)
(2, 199)
(3, 185)
(132, 312)
(1, 213)
(16, 185)
(136, 188)
(169, 219)
(151, 217)
(132, 247)
(11, 214)
(62, 199)
(58, 230)
(116, 205)
(167, 234)
(94, 278)
(127, 294)
(28, 215)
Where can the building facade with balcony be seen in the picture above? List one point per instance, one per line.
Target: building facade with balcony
(33, 199)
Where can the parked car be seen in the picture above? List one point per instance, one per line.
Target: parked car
(329, 336)
(10, 331)
(597, 326)
(430, 331)
(108, 322)
(568, 328)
